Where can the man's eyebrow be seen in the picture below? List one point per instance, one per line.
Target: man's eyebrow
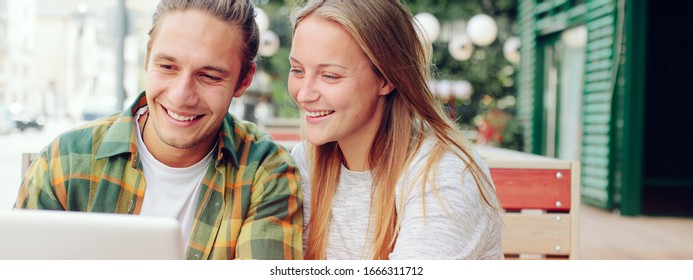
(222, 70)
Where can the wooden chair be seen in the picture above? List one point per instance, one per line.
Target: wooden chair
(27, 159)
(541, 199)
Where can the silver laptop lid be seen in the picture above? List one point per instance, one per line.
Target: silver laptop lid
(51, 235)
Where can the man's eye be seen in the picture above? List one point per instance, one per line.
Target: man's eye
(212, 78)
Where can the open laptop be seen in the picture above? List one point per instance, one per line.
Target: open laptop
(52, 235)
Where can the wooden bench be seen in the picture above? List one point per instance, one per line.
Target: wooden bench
(541, 199)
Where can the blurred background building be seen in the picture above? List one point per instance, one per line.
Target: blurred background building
(17, 50)
(60, 58)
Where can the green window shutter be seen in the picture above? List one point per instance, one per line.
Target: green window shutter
(597, 104)
(527, 71)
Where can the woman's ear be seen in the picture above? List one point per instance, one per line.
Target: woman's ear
(386, 88)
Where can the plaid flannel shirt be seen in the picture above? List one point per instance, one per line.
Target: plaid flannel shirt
(250, 203)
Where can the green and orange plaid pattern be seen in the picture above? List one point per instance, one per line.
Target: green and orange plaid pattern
(250, 202)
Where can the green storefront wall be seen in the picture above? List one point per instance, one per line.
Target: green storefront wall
(611, 120)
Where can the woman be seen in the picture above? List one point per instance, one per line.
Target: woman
(386, 174)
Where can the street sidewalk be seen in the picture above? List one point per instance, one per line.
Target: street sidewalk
(608, 236)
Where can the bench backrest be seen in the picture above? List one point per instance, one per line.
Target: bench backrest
(541, 199)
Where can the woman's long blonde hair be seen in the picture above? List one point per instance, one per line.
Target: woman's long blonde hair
(386, 32)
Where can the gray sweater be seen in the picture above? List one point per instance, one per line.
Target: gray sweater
(457, 223)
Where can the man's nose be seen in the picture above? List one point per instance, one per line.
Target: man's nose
(183, 91)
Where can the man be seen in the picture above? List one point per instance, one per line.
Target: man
(177, 152)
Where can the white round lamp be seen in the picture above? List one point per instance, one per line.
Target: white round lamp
(443, 89)
(462, 89)
(430, 24)
(269, 43)
(262, 19)
(460, 47)
(511, 50)
(482, 30)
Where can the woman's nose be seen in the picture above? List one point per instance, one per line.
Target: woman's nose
(307, 91)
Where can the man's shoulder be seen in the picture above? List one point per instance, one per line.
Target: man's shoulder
(104, 122)
(248, 128)
(257, 144)
(87, 136)
(250, 133)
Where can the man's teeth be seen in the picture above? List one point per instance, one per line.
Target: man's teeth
(181, 118)
(318, 113)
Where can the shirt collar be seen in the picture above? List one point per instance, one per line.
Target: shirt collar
(120, 137)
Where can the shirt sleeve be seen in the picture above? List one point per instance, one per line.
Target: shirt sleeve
(37, 190)
(450, 222)
(273, 227)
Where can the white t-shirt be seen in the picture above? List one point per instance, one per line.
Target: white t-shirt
(467, 230)
(170, 192)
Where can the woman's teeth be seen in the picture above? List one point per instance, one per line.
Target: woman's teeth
(318, 113)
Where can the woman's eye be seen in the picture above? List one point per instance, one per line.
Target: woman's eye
(296, 71)
(330, 77)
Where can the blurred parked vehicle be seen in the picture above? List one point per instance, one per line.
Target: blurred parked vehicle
(24, 118)
(6, 122)
(27, 120)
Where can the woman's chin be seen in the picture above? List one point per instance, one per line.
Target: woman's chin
(318, 141)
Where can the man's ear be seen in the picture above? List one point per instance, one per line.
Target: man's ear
(247, 80)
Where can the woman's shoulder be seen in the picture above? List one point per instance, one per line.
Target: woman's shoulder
(449, 170)
(299, 152)
(448, 156)
(300, 155)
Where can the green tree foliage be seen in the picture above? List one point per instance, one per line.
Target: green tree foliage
(277, 66)
(489, 72)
